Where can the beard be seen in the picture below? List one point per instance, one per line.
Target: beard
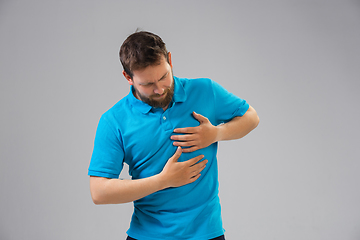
(152, 101)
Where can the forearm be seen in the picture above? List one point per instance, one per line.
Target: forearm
(238, 127)
(115, 191)
(174, 174)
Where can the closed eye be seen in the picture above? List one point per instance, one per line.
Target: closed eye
(151, 83)
(163, 77)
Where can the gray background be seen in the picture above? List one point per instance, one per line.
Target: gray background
(296, 62)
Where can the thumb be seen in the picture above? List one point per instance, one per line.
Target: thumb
(200, 117)
(177, 154)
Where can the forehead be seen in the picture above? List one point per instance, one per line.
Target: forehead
(152, 73)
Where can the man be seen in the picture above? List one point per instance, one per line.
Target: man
(166, 129)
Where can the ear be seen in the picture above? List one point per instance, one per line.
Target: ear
(128, 77)
(170, 62)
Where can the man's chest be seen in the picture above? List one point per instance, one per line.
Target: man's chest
(147, 142)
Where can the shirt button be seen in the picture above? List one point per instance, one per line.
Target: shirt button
(164, 118)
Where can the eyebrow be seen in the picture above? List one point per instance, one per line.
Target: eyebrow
(157, 80)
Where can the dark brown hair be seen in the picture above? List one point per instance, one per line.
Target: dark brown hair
(141, 49)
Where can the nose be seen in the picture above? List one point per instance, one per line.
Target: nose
(159, 89)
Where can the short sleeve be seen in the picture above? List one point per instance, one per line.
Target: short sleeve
(108, 154)
(227, 105)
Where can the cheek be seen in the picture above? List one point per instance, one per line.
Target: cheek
(143, 90)
(168, 83)
(144, 93)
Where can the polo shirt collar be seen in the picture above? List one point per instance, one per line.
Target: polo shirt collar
(179, 96)
(179, 91)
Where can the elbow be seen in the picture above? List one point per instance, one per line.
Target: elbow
(255, 118)
(96, 190)
(256, 121)
(97, 200)
(101, 192)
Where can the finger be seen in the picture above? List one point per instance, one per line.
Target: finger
(184, 144)
(198, 167)
(177, 154)
(190, 149)
(193, 179)
(186, 137)
(194, 160)
(199, 170)
(185, 130)
(200, 117)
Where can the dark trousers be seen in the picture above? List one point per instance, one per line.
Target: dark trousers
(217, 238)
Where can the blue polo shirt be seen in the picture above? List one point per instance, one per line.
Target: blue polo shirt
(139, 135)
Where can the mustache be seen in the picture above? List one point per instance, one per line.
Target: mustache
(159, 95)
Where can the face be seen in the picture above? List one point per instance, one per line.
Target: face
(154, 84)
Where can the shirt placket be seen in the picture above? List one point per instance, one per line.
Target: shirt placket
(165, 121)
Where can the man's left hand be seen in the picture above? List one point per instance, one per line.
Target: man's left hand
(194, 138)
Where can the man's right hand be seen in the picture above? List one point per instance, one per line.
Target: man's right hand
(176, 174)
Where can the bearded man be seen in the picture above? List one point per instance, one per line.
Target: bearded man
(166, 129)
